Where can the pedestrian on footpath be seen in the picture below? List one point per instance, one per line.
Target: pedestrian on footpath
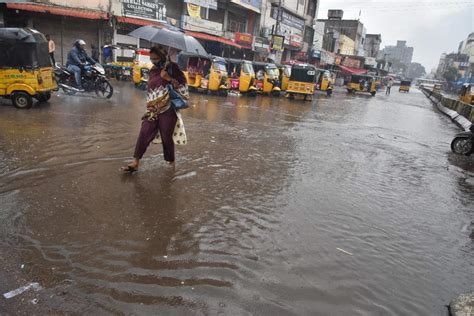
(160, 116)
(389, 86)
(51, 48)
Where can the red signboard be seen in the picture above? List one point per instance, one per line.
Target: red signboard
(243, 38)
(296, 40)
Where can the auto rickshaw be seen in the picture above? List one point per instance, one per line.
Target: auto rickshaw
(467, 94)
(361, 83)
(215, 77)
(193, 66)
(285, 73)
(241, 76)
(302, 81)
(141, 68)
(323, 81)
(267, 78)
(26, 70)
(378, 82)
(404, 86)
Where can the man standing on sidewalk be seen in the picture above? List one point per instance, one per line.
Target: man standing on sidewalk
(389, 86)
(51, 48)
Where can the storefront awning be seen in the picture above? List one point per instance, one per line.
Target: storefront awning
(124, 19)
(64, 11)
(208, 37)
(355, 71)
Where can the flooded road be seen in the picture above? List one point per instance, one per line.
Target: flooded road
(349, 205)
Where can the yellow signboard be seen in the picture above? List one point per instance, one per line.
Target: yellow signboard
(277, 42)
(194, 10)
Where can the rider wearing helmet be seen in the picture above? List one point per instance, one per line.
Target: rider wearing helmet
(76, 59)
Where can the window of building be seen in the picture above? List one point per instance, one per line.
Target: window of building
(236, 23)
(308, 35)
(311, 8)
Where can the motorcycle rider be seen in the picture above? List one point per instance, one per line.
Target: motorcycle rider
(76, 59)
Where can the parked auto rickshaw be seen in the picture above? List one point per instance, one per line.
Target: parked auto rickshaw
(26, 70)
(193, 66)
(404, 86)
(378, 82)
(323, 81)
(215, 77)
(467, 94)
(302, 81)
(361, 83)
(285, 73)
(141, 68)
(241, 76)
(267, 78)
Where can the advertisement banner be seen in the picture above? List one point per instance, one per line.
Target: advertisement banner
(243, 39)
(277, 42)
(201, 25)
(209, 4)
(296, 40)
(261, 44)
(194, 10)
(143, 9)
(287, 18)
(350, 62)
(370, 61)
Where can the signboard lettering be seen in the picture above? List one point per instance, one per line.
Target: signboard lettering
(287, 18)
(243, 38)
(144, 9)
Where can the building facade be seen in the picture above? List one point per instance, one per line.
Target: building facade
(372, 45)
(250, 29)
(400, 56)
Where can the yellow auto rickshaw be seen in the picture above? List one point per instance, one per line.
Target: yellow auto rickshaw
(302, 81)
(404, 86)
(26, 70)
(215, 77)
(361, 83)
(323, 81)
(193, 66)
(241, 76)
(467, 94)
(267, 78)
(378, 82)
(285, 73)
(141, 68)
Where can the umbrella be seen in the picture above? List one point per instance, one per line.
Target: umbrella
(168, 36)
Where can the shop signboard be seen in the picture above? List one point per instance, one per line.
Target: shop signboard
(144, 9)
(351, 62)
(210, 4)
(261, 44)
(288, 19)
(337, 60)
(327, 58)
(370, 61)
(201, 25)
(296, 40)
(243, 38)
(254, 5)
(277, 42)
(316, 54)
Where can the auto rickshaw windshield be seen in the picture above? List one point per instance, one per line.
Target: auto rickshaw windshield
(303, 75)
(247, 68)
(272, 71)
(219, 66)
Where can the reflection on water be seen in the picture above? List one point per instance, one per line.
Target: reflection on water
(250, 221)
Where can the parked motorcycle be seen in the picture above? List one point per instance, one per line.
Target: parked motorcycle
(93, 80)
(463, 143)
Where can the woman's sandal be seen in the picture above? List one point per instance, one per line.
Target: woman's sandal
(129, 169)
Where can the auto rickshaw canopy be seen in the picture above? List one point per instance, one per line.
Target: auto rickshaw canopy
(405, 83)
(359, 78)
(23, 48)
(303, 73)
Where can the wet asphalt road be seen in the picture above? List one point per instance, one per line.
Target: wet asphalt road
(349, 205)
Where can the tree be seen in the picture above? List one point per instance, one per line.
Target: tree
(416, 70)
(451, 74)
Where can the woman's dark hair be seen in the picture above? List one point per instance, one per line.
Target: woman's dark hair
(160, 51)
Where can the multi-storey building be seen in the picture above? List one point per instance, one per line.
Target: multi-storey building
(372, 45)
(251, 29)
(399, 55)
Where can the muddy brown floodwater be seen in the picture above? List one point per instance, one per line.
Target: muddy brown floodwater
(348, 205)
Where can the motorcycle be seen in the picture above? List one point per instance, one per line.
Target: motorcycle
(93, 80)
(463, 143)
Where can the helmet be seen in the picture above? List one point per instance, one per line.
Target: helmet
(80, 42)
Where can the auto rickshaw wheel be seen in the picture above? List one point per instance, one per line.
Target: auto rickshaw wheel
(43, 97)
(252, 93)
(276, 93)
(291, 96)
(22, 100)
(372, 94)
(329, 92)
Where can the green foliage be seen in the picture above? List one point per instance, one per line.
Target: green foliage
(451, 74)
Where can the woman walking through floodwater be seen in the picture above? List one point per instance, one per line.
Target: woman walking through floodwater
(160, 116)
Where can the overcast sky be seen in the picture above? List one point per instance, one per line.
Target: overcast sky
(430, 26)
